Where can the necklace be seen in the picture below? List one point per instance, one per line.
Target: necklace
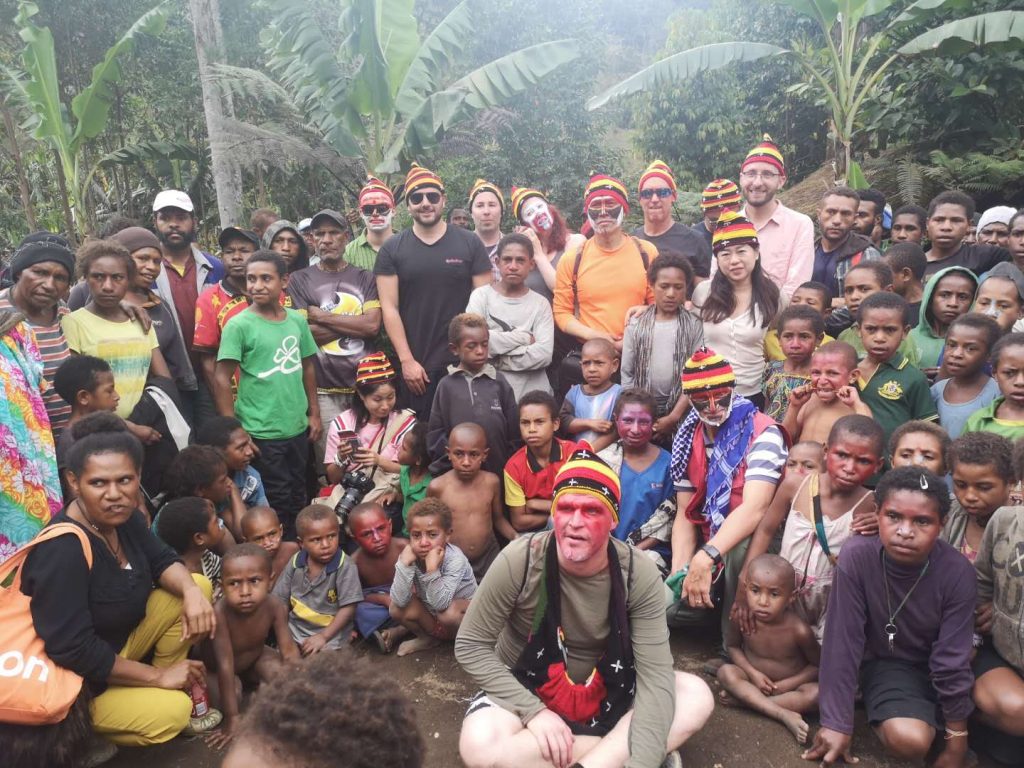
(890, 627)
(114, 550)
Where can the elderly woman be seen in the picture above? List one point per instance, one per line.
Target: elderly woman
(137, 601)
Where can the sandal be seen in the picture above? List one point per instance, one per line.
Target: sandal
(385, 642)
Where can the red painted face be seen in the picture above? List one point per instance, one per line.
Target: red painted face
(582, 526)
(851, 459)
(635, 425)
(372, 532)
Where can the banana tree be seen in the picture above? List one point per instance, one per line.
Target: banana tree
(855, 52)
(36, 91)
(384, 96)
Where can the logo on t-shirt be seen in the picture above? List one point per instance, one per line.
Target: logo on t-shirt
(344, 304)
(891, 390)
(288, 358)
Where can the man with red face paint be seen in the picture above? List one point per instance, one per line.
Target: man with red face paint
(727, 459)
(375, 560)
(535, 628)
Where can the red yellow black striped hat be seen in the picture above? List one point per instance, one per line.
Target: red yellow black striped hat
(481, 185)
(520, 195)
(419, 177)
(585, 473)
(373, 184)
(706, 370)
(657, 170)
(374, 368)
(718, 193)
(733, 228)
(765, 152)
(603, 185)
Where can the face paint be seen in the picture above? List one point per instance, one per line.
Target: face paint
(713, 408)
(991, 311)
(537, 215)
(582, 526)
(615, 212)
(635, 425)
(376, 222)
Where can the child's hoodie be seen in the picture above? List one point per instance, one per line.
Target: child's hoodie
(929, 345)
(1001, 583)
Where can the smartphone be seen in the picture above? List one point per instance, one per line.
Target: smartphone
(347, 436)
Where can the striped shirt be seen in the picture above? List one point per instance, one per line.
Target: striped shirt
(766, 458)
(53, 346)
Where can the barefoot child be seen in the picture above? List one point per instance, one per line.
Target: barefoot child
(774, 670)
(586, 413)
(319, 585)
(433, 579)
(969, 343)
(1005, 414)
(800, 332)
(804, 458)
(983, 473)
(237, 653)
(227, 435)
(474, 496)
(260, 525)
(920, 444)
(815, 407)
(375, 561)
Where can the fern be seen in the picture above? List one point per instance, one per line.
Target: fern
(909, 181)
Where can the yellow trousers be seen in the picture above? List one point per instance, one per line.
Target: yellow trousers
(136, 717)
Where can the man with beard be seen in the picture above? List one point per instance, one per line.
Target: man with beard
(377, 210)
(486, 206)
(566, 639)
(657, 190)
(727, 459)
(424, 277)
(186, 271)
(339, 300)
(786, 237)
(870, 212)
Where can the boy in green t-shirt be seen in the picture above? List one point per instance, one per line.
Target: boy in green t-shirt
(274, 350)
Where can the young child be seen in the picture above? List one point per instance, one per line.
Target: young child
(1005, 414)
(810, 294)
(860, 282)
(200, 470)
(261, 526)
(804, 458)
(815, 407)
(414, 471)
(191, 528)
(982, 467)
(86, 383)
(375, 561)
(522, 328)
(907, 262)
(277, 404)
(237, 653)
(586, 413)
(661, 327)
(530, 473)
(774, 670)
(920, 444)
(800, 330)
(1001, 296)
(948, 295)
(229, 436)
(474, 495)
(969, 342)
(433, 579)
(319, 585)
(375, 425)
(812, 539)
(472, 391)
(894, 390)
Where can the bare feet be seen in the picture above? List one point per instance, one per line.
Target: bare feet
(726, 699)
(796, 724)
(424, 642)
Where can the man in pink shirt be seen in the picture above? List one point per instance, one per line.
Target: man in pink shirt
(786, 237)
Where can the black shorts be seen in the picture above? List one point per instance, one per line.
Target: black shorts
(986, 659)
(893, 688)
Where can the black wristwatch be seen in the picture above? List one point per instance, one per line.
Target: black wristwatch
(714, 554)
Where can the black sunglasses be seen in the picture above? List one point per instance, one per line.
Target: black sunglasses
(432, 197)
(380, 210)
(662, 192)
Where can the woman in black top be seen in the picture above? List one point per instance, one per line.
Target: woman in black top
(137, 601)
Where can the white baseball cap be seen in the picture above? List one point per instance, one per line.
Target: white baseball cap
(305, 224)
(173, 198)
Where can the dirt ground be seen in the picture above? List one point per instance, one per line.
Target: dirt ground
(731, 739)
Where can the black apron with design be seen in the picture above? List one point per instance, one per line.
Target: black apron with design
(591, 708)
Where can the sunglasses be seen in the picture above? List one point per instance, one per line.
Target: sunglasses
(663, 192)
(380, 210)
(432, 197)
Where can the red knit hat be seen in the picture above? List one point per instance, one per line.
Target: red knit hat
(718, 193)
(765, 152)
(657, 170)
(374, 368)
(480, 185)
(585, 473)
(419, 177)
(733, 229)
(374, 184)
(706, 370)
(603, 185)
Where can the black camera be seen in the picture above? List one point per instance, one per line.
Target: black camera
(356, 484)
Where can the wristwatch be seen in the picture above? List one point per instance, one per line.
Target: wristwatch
(714, 554)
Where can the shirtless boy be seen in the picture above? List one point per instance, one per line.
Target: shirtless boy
(474, 497)
(815, 407)
(260, 525)
(773, 671)
(375, 560)
(245, 617)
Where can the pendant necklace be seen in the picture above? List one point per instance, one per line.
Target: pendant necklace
(890, 627)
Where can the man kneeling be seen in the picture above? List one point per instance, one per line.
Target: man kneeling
(534, 628)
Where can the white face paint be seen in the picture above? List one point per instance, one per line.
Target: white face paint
(536, 214)
(991, 311)
(376, 222)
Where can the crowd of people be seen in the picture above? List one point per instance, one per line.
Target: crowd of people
(552, 448)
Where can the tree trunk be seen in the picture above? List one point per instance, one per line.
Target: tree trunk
(62, 185)
(19, 166)
(227, 175)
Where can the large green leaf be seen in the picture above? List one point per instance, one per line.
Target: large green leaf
(92, 105)
(855, 178)
(399, 37)
(922, 8)
(370, 93)
(999, 28)
(40, 87)
(499, 80)
(439, 50)
(685, 64)
(824, 11)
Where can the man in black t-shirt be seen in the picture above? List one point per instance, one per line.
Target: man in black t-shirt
(949, 216)
(424, 277)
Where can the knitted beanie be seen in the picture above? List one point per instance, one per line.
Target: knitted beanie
(733, 228)
(480, 185)
(657, 170)
(520, 196)
(420, 177)
(374, 368)
(603, 185)
(706, 370)
(718, 193)
(374, 184)
(585, 473)
(765, 152)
